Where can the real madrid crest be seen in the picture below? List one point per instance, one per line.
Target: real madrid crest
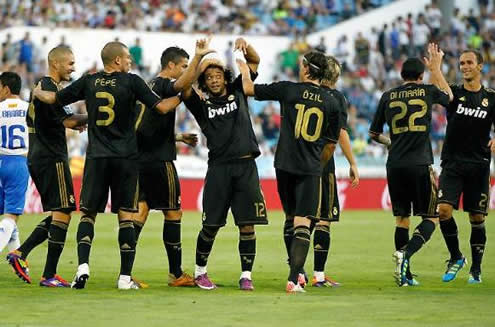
(231, 97)
(484, 103)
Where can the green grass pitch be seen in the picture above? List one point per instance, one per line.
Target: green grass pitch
(361, 259)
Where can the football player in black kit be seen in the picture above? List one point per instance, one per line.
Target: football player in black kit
(330, 207)
(232, 178)
(310, 129)
(407, 110)
(48, 163)
(110, 97)
(466, 156)
(159, 186)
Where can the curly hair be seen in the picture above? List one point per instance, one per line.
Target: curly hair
(228, 75)
(317, 64)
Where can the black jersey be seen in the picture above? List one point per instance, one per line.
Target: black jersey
(407, 111)
(226, 123)
(110, 102)
(344, 106)
(310, 119)
(156, 132)
(469, 121)
(46, 130)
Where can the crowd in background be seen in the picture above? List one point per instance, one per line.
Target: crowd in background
(374, 68)
(255, 17)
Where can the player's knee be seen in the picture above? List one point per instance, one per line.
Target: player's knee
(208, 233)
(173, 215)
(444, 211)
(433, 220)
(246, 229)
(402, 222)
(476, 218)
(61, 216)
(323, 223)
(88, 217)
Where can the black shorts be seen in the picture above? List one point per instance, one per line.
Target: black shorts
(234, 185)
(414, 185)
(330, 207)
(159, 185)
(118, 174)
(470, 179)
(300, 194)
(54, 183)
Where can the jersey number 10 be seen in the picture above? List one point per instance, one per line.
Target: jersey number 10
(302, 122)
(9, 137)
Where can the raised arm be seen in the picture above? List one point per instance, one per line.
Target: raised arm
(251, 56)
(434, 64)
(247, 83)
(345, 145)
(190, 74)
(168, 104)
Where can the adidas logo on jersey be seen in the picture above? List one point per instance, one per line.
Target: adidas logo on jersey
(229, 107)
(477, 113)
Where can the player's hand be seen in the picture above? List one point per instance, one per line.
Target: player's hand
(435, 57)
(491, 144)
(81, 128)
(241, 45)
(354, 175)
(203, 47)
(36, 90)
(190, 139)
(243, 67)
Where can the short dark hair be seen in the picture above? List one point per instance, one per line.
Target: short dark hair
(412, 69)
(228, 76)
(479, 56)
(112, 50)
(12, 80)
(173, 54)
(317, 63)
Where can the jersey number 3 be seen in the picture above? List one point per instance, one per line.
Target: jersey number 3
(412, 127)
(108, 109)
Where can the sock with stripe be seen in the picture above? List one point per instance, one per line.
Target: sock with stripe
(449, 232)
(321, 246)
(85, 235)
(127, 244)
(37, 236)
(204, 245)
(173, 246)
(477, 241)
(299, 251)
(247, 250)
(421, 235)
(56, 242)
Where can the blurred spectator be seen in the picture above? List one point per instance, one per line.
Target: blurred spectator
(215, 16)
(136, 52)
(362, 48)
(26, 53)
